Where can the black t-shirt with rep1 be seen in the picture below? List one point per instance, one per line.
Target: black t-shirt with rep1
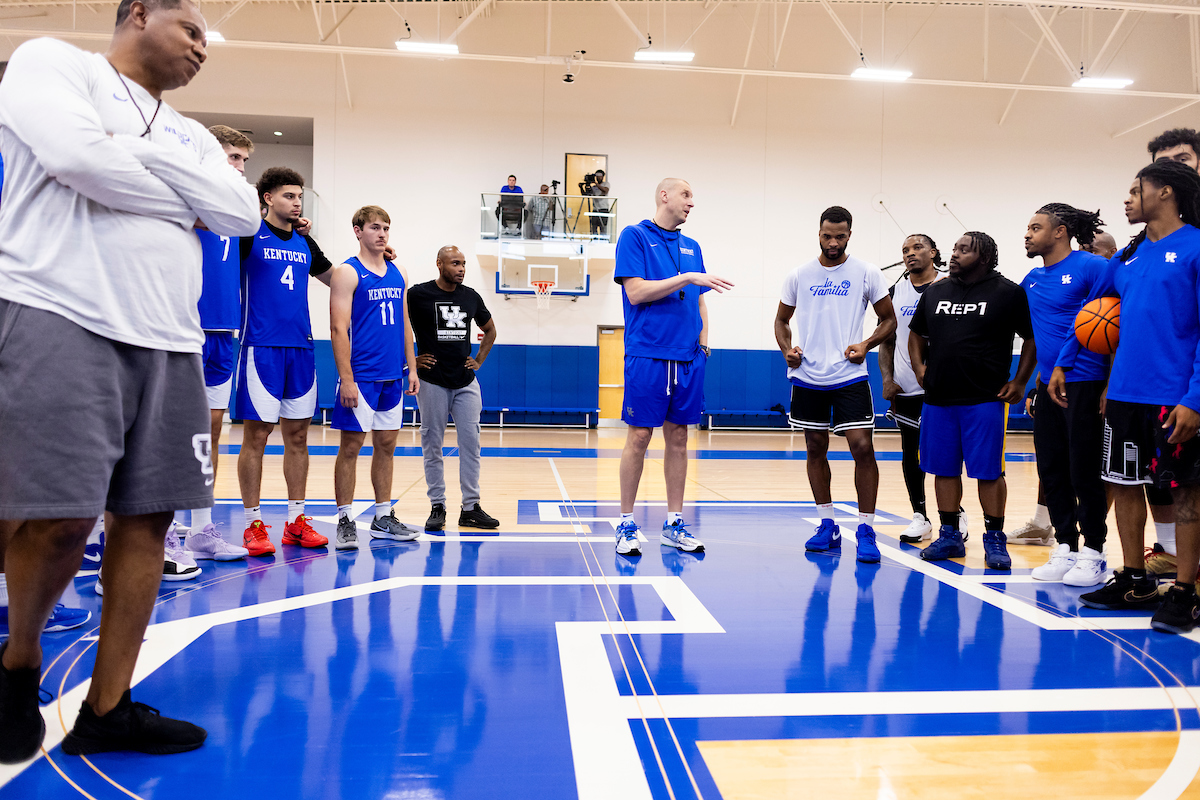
(441, 323)
(970, 328)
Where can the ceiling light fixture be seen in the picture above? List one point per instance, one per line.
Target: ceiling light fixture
(214, 36)
(872, 74)
(279, 133)
(1101, 83)
(651, 55)
(429, 48)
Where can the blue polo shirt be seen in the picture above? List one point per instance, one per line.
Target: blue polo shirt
(667, 328)
(1056, 293)
(1158, 358)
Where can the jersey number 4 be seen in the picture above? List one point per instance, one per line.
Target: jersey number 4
(287, 279)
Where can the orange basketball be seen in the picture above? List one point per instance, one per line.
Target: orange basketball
(1098, 325)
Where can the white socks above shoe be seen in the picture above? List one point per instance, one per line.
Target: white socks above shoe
(97, 529)
(866, 519)
(1165, 533)
(344, 512)
(627, 517)
(253, 515)
(673, 517)
(3, 590)
(825, 512)
(1041, 517)
(295, 509)
(201, 517)
(383, 509)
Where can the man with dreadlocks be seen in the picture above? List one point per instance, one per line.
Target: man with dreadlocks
(1153, 407)
(1068, 441)
(900, 388)
(960, 342)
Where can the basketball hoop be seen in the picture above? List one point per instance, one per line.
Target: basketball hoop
(542, 290)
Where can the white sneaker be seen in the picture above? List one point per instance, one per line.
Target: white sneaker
(1089, 568)
(177, 564)
(1062, 561)
(919, 530)
(1032, 533)
(962, 524)
(208, 544)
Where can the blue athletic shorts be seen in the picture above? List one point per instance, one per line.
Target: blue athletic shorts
(658, 391)
(219, 362)
(380, 407)
(951, 435)
(276, 382)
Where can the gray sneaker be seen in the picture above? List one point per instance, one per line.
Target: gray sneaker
(347, 535)
(391, 528)
(1031, 533)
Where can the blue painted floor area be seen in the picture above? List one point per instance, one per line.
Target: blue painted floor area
(443, 668)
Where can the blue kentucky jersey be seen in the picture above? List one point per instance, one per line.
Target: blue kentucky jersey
(275, 291)
(220, 298)
(1056, 293)
(377, 324)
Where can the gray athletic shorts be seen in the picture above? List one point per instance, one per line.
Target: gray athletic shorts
(88, 424)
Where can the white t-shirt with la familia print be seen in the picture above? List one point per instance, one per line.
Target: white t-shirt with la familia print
(830, 304)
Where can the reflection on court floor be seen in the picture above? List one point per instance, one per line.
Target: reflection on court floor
(539, 664)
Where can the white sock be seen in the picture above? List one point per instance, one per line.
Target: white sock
(295, 509)
(3, 590)
(1165, 532)
(253, 515)
(1041, 517)
(344, 511)
(383, 509)
(627, 517)
(866, 519)
(825, 511)
(201, 517)
(97, 529)
(673, 517)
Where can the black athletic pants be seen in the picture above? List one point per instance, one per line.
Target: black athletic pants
(910, 465)
(1070, 444)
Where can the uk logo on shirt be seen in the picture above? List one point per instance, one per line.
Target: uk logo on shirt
(1170, 258)
(451, 323)
(1066, 279)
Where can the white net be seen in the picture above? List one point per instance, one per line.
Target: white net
(542, 290)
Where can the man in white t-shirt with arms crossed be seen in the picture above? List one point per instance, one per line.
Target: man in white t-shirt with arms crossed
(828, 372)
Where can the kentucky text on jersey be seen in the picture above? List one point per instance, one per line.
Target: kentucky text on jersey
(385, 293)
(275, 254)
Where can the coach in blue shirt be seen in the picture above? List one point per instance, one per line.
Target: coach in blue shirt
(666, 331)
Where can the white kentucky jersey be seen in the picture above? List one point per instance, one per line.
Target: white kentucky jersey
(102, 188)
(905, 297)
(830, 304)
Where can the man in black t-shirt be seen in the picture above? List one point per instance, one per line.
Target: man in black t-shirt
(440, 312)
(960, 341)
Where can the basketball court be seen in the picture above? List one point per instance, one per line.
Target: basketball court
(533, 662)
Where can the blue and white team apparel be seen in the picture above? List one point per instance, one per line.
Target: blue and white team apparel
(377, 337)
(1056, 293)
(1158, 360)
(831, 304)
(277, 373)
(905, 297)
(664, 365)
(220, 309)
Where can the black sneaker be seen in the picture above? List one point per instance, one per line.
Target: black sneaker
(22, 728)
(1179, 612)
(437, 518)
(1123, 591)
(477, 518)
(131, 726)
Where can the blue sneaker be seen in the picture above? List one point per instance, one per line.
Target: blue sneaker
(827, 537)
(949, 544)
(61, 618)
(995, 554)
(93, 554)
(868, 551)
(676, 535)
(627, 539)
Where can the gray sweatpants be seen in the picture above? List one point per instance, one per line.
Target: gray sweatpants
(437, 403)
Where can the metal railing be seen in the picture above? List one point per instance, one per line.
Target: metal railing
(571, 217)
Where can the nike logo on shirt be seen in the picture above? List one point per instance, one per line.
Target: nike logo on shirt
(1130, 261)
(653, 245)
(268, 236)
(118, 97)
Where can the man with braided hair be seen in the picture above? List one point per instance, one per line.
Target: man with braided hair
(1068, 441)
(1153, 408)
(960, 342)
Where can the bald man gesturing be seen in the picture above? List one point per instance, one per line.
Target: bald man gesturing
(666, 348)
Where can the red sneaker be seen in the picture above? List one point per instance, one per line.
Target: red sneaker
(256, 540)
(301, 533)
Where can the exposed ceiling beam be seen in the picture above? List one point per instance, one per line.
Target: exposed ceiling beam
(642, 39)
(1179, 107)
(1099, 57)
(338, 24)
(384, 52)
(782, 34)
(1048, 35)
(695, 30)
(474, 15)
(236, 8)
(841, 27)
(737, 99)
(1028, 66)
